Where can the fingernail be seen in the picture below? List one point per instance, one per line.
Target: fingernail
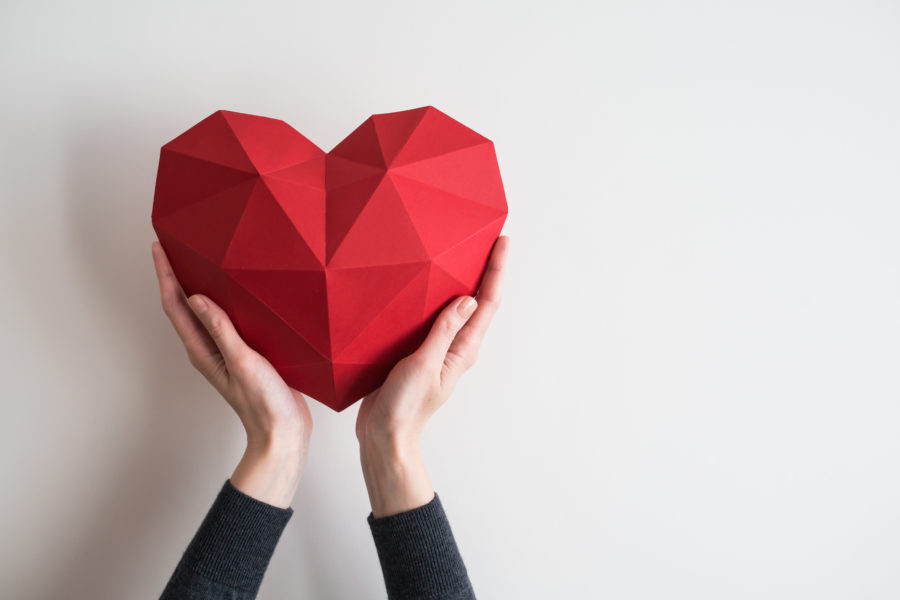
(467, 307)
(198, 304)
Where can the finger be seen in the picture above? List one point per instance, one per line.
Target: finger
(200, 347)
(468, 340)
(220, 329)
(449, 322)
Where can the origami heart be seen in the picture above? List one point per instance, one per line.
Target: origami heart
(333, 266)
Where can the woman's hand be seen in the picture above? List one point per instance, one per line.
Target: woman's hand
(276, 418)
(392, 418)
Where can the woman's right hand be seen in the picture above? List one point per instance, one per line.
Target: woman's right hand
(391, 419)
(276, 417)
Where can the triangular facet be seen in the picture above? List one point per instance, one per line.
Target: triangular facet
(267, 239)
(436, 134)
(382, 234)
(352, 381)
(314, 379)
(361, 146)
(343, 207)
(305, 207)
(310, 173)
(220, 215)
(466, 262)
(212, 139)
(266, 332)
(194, 272)
(441, 219)
(270, 144)
(297, 297)
(340, 172)
(469, 173)
(397, 329)
(394, 129)
(442, 288)
(356, 296)
(182, 180)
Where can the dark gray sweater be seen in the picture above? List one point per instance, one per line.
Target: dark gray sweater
(230, 552)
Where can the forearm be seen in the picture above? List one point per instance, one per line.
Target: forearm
(419, 557)
(229, 554)
(418, 553)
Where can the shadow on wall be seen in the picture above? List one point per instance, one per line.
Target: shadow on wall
(152, 470)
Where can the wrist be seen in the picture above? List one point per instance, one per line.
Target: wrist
(389, 448)
(276, 445)
(270, 471)
(396, 479)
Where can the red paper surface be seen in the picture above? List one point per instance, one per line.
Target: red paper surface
(333, 266)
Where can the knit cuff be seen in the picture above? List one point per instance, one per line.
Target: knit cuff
(418, 554)
(236, 539)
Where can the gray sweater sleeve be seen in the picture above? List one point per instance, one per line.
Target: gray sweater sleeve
(419, 557)
(230, 552)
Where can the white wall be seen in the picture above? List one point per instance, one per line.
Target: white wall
(692, 390)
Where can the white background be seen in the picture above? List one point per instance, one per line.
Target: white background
(691, 391)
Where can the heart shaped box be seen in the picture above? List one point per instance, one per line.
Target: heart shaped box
(332, 266)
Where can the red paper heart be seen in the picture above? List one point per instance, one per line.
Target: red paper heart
(333, 266)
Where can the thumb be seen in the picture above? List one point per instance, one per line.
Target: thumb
(449, 322)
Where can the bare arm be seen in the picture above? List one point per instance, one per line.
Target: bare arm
(418, 554)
